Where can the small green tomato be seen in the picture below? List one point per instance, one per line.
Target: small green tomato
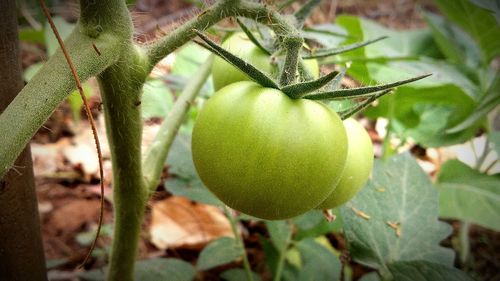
(358, 165)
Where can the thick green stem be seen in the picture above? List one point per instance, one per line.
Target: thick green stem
(185, 32)
(49, 87)
(157, 152)
(237, 235)
(105, 16)
(120, 89)
(292, 45)
(222, 9)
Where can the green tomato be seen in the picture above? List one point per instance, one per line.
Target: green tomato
(223, 73)
(358, 165)
(265, 154)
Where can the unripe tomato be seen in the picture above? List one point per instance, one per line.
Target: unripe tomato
(223, 73)
(265, 154)
(358, 165)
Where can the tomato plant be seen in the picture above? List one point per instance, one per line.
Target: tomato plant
(265, 154)
(358, 166)
(223, 73)
(267, 148)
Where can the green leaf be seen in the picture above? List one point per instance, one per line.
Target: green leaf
(32, 35)
(426, 109)
(180, 159)
(372, 276)
(31, 70)
(400, 194)
(55, 263)
(75, 100)
(318, 262)
(188, 59)
(488, 103)
(92, 275)
(326, 34)
(280, 233)
(290, 271)
(426, 271)
(304, 11)
(399, 44)
(455, 44)
(156, 100)
(314, 224)
(221, 251)
(238, 274)
(63, 27)
(479, 23)
(469, 195)
(192, 189)
(164, 269)
(494, 137)
(492, 6)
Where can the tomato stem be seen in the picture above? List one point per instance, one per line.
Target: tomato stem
(233, 220)
(292, 44)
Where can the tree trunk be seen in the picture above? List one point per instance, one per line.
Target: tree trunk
(21, 250)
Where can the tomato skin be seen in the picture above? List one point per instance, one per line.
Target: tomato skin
(265, 154)
(358, 165)
(223, 73)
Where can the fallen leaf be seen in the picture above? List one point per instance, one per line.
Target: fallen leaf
(71, 217)
(180, 223)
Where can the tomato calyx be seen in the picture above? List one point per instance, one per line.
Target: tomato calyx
(308, 89)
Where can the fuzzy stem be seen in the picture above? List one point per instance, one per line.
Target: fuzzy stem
(157, 152)
(49, 87)
(210, 16)
(185, 32)
(292, 45)
(120, 89)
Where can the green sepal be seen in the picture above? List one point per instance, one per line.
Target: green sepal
(361, 92)
(246, 67)
(298, 90)
(321, 53)
(305, 11)
(362, 105)
(252, 38)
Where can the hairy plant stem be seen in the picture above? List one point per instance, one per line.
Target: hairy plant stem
(237, 235)
(157, 152)
(101, 45)
(292, 45)
(48, 88)
(120, 95)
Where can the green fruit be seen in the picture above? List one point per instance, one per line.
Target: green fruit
(358, 165)
(223, 73)
(265, 154)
